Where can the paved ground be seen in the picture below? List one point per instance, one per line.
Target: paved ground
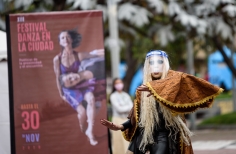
(214, 141)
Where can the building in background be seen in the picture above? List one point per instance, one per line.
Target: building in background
(218, 71)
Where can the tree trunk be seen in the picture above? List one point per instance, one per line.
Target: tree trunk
(131, 66)
(227, 59)
(59, 5)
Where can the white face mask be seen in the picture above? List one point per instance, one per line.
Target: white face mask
(119, 86)
(156, 64)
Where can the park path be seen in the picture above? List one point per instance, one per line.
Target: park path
(212, 141)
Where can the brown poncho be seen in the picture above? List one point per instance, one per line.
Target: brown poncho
(179, 92)
(183, 93)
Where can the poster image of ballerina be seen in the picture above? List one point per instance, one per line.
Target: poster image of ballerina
(58, 83)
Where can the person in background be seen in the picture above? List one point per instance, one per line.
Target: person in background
(121, 104)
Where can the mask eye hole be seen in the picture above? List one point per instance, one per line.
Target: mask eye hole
(151, 62)
(160, 61)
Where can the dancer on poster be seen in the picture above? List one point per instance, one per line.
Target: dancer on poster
(67, 69)
(156, 124)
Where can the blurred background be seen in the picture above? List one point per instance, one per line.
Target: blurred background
(198, 35)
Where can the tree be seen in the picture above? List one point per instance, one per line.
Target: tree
(153, 24)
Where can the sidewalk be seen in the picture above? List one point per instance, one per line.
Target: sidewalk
(214, 134)
(214, 141)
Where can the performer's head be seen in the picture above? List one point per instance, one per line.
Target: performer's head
(69, 80)
(72, 79)
(69, 38)
(156, 65)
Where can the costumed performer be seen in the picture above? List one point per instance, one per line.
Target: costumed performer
(156, 123)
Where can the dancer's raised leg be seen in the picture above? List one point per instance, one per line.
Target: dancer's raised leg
(89, 97)
(81, 116)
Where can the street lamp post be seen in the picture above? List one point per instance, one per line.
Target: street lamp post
(190, 68)
(114, 37)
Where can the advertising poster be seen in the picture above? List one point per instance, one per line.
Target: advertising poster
(57, 83)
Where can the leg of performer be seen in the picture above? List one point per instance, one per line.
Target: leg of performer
(81, 116)
(89, 97)
(162, 146)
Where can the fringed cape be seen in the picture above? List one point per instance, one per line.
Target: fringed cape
(179, 92)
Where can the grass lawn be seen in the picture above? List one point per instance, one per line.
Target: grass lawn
(225, 95)
(225, 119)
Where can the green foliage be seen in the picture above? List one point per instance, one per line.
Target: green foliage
(141, 46)
(138, 40)
(225, 119)
(175, 50)
(225, 95)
